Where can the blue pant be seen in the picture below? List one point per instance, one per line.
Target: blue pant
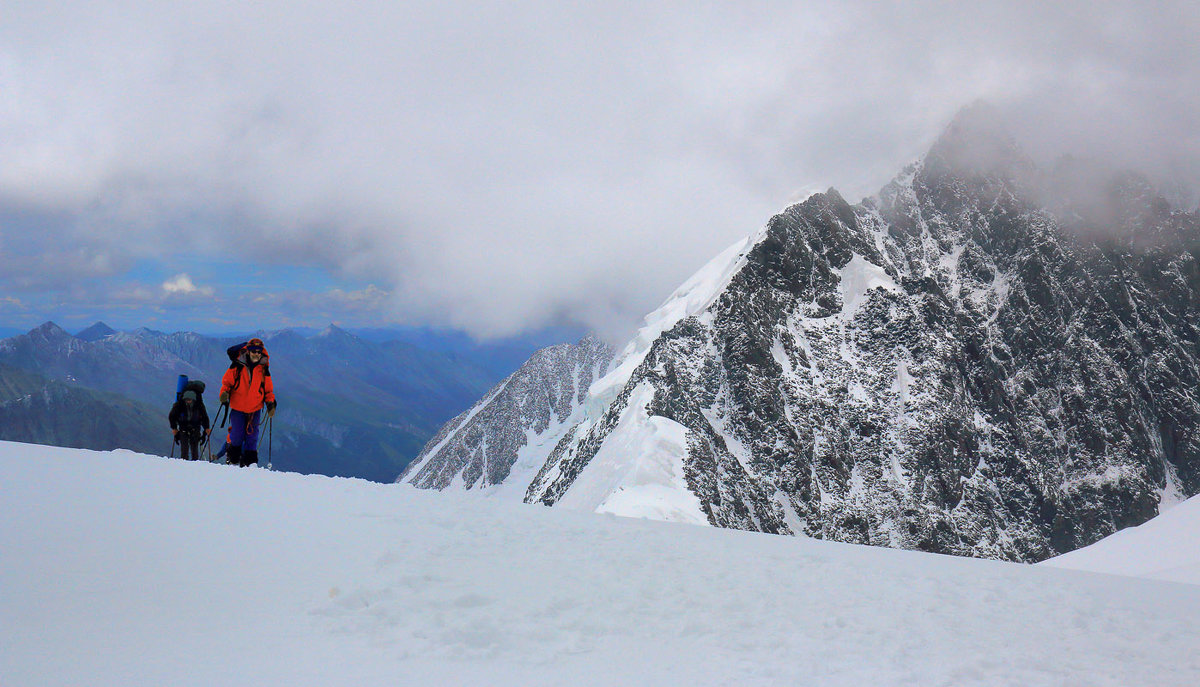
(243, 429)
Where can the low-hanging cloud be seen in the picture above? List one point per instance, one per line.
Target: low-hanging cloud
(498, 166)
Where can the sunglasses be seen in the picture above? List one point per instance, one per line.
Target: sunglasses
(254, 349)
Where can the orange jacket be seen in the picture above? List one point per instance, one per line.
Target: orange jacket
(250, 386)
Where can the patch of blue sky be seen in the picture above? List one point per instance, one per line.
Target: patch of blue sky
(228, 276)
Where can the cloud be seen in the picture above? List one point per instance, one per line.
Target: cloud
(181, 284)
(497, 166)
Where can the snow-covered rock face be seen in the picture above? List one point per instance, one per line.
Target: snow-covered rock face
(503, 440)
(943, 367)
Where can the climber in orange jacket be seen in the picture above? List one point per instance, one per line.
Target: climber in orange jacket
(247, 387)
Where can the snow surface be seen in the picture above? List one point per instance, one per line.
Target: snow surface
(124, 569)
(1166, 548)
(638, 472)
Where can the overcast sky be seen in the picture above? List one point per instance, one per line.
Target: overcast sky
(496, 167)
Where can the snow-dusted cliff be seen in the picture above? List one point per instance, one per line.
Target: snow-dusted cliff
(965, 364)
(503, 440)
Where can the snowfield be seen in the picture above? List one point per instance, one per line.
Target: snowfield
(124, 569)
(1166, 548)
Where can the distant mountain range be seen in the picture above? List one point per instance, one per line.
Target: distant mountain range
(38, 410)
(348, 406)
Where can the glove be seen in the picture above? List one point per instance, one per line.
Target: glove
(224, 398)
(271, 409)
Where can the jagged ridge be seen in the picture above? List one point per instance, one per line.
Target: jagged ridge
(490, 443)
(949, 366)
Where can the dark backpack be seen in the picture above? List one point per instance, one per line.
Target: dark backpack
(192, 385)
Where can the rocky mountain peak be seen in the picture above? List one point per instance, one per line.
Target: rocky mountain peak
(334, 334)
(941, 368)
(977, 143)
(147, 333)
(48, 332)
(285, 337)
(97, 331)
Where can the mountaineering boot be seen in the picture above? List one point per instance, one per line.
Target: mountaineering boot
(234, 455)
(250, 458)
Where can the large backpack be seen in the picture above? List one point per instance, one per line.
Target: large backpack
(186, 384)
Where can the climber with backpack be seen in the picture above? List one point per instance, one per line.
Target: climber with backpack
(246, 388)
(189, 420)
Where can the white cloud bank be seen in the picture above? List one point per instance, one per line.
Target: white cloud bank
(498, 165)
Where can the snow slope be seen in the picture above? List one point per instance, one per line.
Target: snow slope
(1165, 548)
(124, 569)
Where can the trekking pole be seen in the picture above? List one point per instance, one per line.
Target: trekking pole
(174, 440)
(270, 435)
(225, 407)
